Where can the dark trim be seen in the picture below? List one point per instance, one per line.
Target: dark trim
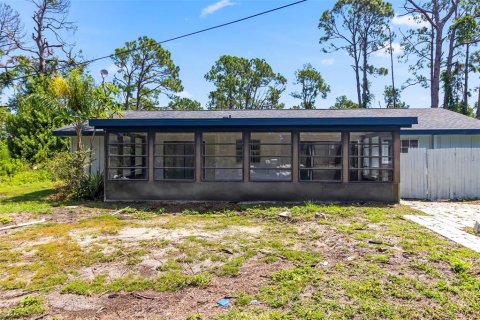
(261, 122)
(72, 133)
(440, 131)
(205, 129)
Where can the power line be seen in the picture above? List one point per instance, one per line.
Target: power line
(87, 62)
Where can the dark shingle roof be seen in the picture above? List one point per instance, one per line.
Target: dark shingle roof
(430, 121)
(69, 131)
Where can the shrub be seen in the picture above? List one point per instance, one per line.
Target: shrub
(70, 168)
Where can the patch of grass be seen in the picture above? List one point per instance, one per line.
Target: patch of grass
(27, 307)
(286, 286)
(243, 299)
(5, 219)
(381, 258)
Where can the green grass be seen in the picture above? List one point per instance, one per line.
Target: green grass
(27, 307)
(319, 268)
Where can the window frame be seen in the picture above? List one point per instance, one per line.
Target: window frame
(252, 148)
(338, 143)
(409, 146)
(156, 144)
(236, 156)
(109, 155)
(381, 166)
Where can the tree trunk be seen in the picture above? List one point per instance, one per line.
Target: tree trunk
(437, 62)
(357, 76)
(432, 42)
(391, 71)
(365, 91)
(447, 95)
(78, 130)
(478, 104)
(448, 71)
(465, 85)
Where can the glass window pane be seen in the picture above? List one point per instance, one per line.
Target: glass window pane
(162, 137)
(114, 161)
(320, 162)
(272, 137)
(221, 137)
(271, 162)
(127, 149)
(221, 162)
(174, 161)
(223, 153)
(321, 136)
(127, 137)
(174, 156)
(222, 174)
(320, 175)
(320, 150)
(220, 149)
(127, 156)
(413, 143)
(174, 174)
(371, 151)
(370, 137)
(271, 174)
(127, 174)
(373, 175)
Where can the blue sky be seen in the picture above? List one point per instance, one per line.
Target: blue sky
(286, 39)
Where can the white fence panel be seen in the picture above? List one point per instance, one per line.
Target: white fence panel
(450, 173)
(413, 170)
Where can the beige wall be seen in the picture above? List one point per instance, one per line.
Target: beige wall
(98, 155)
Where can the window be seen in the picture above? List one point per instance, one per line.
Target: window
(271, 156)
(222, 156)
(174, 156)
(409, 144)
(320, 156)
(127, 156)
(371, 156)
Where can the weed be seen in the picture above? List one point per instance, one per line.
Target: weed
(27, 307)
(5, 219)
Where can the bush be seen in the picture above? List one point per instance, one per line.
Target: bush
(76, 182)
(90, 187)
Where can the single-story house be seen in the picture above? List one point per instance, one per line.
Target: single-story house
(266, 155)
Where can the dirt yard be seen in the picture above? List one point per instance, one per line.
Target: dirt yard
(171, 261)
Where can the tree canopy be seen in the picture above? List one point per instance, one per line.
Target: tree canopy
(145, 72)
(311, 86)
(244, 84)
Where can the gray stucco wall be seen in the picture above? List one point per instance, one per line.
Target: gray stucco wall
(250, 191)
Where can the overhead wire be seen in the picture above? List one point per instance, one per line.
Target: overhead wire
(109, 56)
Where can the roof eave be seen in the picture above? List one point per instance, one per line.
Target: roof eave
(237, 122)
(440, 131)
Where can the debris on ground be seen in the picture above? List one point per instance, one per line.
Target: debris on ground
(224, 302)
(285, 214)
(321, 215)
(26, 224)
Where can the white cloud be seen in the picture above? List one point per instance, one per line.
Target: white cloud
(397, 50)
(214, 7)
(185, 94)
(409, 21)
(327, 61)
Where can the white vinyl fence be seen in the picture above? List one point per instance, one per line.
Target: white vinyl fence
(440, 174)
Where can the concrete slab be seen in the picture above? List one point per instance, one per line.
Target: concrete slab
(449, 220)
